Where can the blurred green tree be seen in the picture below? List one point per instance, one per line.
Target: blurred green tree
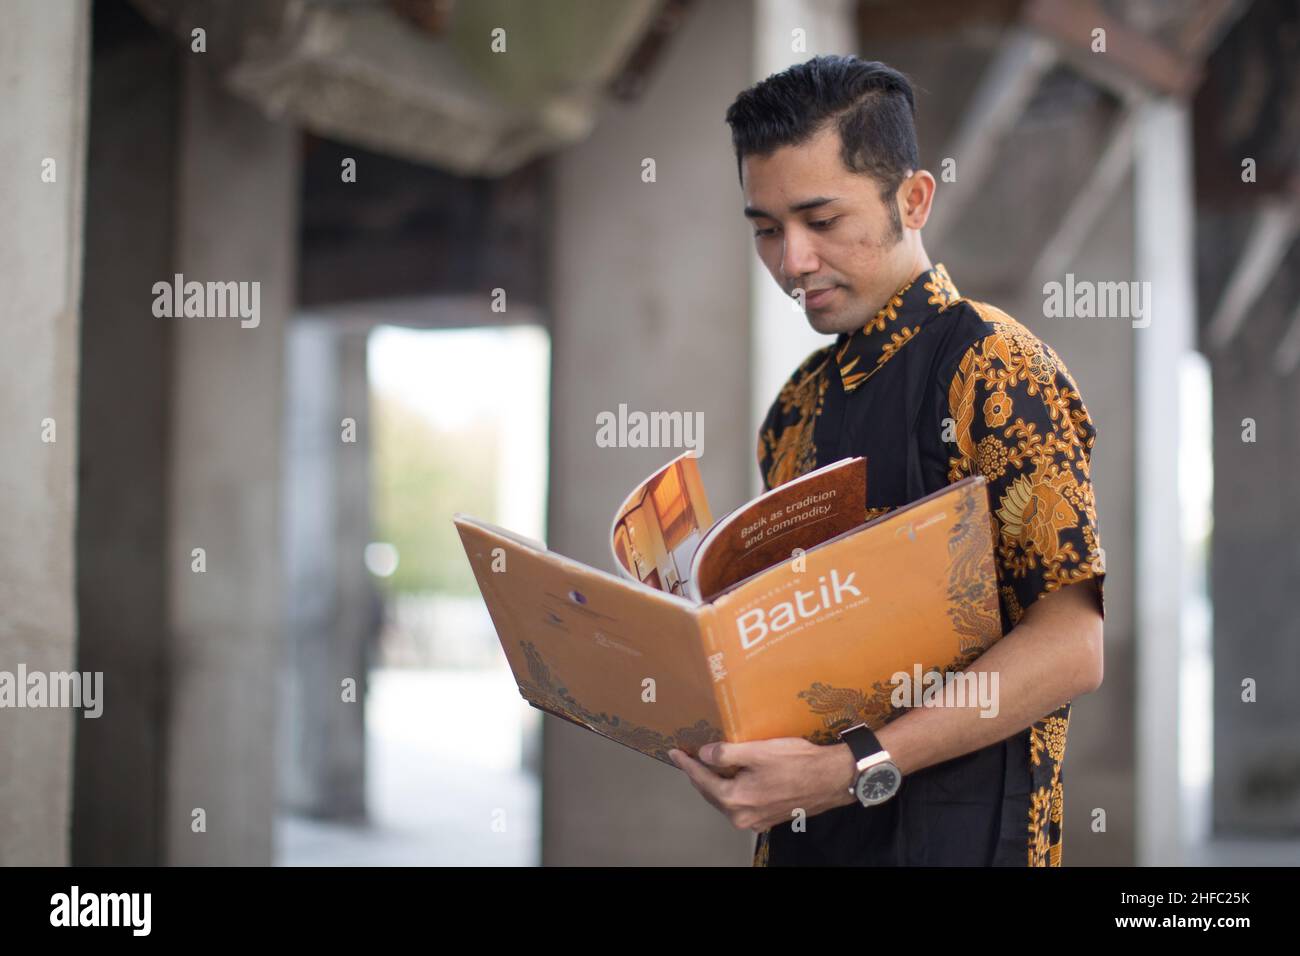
(421, 475)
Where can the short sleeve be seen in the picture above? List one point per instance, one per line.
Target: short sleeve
(1020, 421)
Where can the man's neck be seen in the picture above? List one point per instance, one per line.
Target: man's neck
(919, 264)
(920, 261)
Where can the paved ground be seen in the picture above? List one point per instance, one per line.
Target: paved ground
(444, 767)
(446, 758)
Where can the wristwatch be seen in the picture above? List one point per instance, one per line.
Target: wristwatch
(878, 776)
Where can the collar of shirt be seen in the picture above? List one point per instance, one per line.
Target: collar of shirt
(861, 354)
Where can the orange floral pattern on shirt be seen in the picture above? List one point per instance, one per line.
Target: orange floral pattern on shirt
(1021, 423)
(793, 453)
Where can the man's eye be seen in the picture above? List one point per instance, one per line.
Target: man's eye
(823, 223)
(765, 232)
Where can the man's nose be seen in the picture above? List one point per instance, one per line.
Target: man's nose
(797, 257)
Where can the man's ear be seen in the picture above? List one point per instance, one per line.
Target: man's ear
(915, 194)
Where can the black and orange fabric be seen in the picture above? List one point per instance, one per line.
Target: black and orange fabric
(934, 388)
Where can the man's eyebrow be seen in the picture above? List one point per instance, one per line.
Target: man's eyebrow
(752, 213)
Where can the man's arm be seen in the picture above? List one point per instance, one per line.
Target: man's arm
(1053, 655)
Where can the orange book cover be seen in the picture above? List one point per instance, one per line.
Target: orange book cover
(804, 648)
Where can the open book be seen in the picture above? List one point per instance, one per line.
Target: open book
(662, 536)
(807, 615)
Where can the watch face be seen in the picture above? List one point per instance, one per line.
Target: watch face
(878, 784)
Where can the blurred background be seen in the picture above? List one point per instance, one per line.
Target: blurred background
(464, 257)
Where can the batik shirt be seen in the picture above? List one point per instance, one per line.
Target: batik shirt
(935, 388)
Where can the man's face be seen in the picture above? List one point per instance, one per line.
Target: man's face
(824, 229)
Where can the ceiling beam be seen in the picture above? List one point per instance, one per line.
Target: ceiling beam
(1004, 91)
(1271, 235)
(1287, 358)
(906, 19)
(631, 81)
(1092, 199)
(1203, 30)
(431, 16)
(1130, 56)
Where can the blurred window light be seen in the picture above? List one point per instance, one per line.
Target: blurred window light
(381, 559)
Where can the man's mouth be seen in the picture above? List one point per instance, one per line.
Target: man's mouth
(819, 297)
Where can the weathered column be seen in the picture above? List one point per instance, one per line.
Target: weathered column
(124, 420)
(44, 53)
(237, 197)
(650, 308)
(329, 599)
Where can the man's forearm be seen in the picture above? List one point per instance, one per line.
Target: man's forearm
(1053, 655)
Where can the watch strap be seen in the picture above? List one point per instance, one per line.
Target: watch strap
(862, 742)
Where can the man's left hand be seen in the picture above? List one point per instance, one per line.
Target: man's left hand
(773, 779)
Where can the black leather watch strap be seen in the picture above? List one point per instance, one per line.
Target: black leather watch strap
(861, 741)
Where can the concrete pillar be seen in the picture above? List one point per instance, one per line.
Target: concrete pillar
(1255, 576)
(329, 598)
(781, 336)
(650, 308)
(124, 402)
(237, 222)
(1163, 209)
(44, 54)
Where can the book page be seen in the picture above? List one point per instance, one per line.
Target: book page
(661, 523)
(799, 514)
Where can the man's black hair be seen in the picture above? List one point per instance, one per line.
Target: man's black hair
(870, 103)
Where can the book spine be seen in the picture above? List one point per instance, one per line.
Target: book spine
(716, 659)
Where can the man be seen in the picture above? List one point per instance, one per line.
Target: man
(930, 388)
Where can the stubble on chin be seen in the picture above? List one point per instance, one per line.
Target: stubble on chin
(818, 323)
(826, 324)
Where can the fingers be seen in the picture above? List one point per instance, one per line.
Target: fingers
(718, 755)
(710, 785)
(721, 754)
(727, 796)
